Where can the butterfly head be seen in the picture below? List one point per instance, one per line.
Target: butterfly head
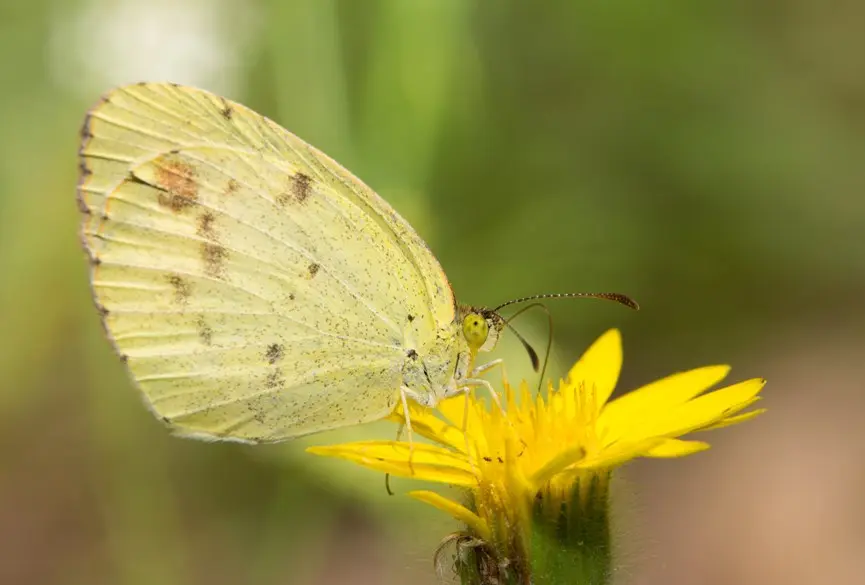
(481, 328)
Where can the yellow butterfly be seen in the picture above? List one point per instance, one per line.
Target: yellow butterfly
(255, 289)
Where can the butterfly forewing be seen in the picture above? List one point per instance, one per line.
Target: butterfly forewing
(255, 288)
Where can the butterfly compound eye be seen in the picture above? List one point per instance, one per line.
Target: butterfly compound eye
(476, 330)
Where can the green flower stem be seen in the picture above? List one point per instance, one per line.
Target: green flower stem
(571, 535)
(569, 542)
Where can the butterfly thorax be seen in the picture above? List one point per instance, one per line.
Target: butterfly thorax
(434, 367)
(438, 367)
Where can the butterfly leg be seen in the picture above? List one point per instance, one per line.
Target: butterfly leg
(483, 368)
(466, 386)
(387, 475)
(465, 424)
(405, 392)
(469, 383)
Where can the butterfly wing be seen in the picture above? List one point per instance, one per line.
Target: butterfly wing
(255, 289)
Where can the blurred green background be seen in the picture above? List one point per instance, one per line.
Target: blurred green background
(705, 157)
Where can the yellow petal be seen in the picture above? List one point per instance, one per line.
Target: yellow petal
(599, 366)
(705, 411)
(454, 408)
(425, 422)
(677, 448)
(626, 415)
(428, 462)
(466, 415)
(618, 454)
(458, 511)
(441, 431)
(734, 420)
(555, 466)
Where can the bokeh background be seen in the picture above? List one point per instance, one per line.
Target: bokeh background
(705, 157)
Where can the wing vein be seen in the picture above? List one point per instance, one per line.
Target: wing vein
(186, 273)
(306, 379)
(261, 314)
(187, 148)
(296, 248)
(380, 220)
(157, 106)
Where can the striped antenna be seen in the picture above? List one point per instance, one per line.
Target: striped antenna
(615, 297)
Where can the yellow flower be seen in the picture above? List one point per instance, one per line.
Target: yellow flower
(537, 456)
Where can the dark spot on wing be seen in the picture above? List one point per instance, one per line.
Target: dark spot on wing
(226, 110)
(86, 135)
(181, 288)
(205, 332)
(206, 226)
(214, 257)
(291, 296)
(313, 269)
(410, 318)
(274, 353)
(274, 379)
(488, 459)
(82, 205)
(136, 180)
(300, 183)
(412, 354)
(123, 358)
(299, 189)
(231, 187)
(83, 170)
(103, 321)
(178, 181)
